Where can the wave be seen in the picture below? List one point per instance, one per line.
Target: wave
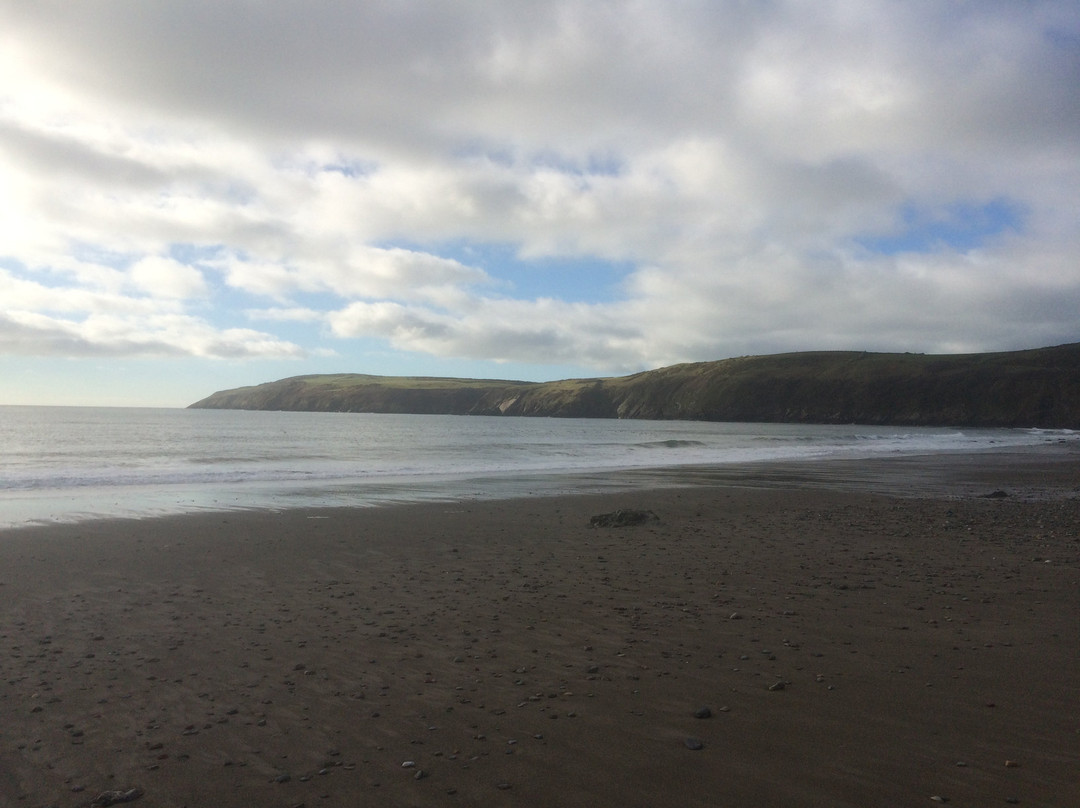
(670, 444)
(174, 459)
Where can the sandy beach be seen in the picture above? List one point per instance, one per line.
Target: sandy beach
(753, 646)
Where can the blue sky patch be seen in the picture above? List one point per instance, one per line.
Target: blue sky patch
(351, 168)
(608, 164)
(593, 164)
(12, 265)
(961, 226)
(578, 279)
(193, 254)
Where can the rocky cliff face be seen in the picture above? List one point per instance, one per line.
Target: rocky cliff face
(1038, 388)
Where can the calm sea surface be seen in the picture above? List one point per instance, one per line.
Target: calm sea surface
(73, 463)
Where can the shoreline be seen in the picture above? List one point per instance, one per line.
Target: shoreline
(853, 648)
(1038, 471)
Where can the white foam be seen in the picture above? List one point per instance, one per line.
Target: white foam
(68, 463)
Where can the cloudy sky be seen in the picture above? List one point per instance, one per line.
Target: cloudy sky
(199, 194)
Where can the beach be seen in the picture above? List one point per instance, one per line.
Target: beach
(779, 644)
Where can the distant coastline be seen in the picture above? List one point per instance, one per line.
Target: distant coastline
(1032, 388)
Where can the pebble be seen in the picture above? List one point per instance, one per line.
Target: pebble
(694, 744)
(703, 712)
(106, 798)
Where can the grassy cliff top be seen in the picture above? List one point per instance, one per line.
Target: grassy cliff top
(1039, 387)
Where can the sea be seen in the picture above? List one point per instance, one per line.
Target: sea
(71, 464)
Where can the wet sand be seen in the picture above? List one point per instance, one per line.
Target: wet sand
(851, 649)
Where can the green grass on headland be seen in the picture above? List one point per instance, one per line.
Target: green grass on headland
(1036, 388)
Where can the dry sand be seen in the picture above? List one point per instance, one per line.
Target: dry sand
(853, 649)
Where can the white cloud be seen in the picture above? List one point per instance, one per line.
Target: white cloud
(352, 271)
(173, 165)
(164, 277)
(500, 330)
(32, 334)
(293, 315)
(39, 320)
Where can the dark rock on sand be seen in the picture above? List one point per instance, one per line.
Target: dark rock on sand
(624, 517)
(106, 798)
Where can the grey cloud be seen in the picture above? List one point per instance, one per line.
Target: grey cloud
(953, 304)
(70, 157)
(544, 333)
(732, 152)
(581, 74)
(404, 72)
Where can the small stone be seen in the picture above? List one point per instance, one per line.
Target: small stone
(778, 686)
(694, 744)
(937, 798)
(420, 774)
(107, 798)
(503, 786)
(283, 778)
(1011, 764)
(703, 712)
(408, 764)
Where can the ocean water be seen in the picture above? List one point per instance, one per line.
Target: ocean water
(66, 464)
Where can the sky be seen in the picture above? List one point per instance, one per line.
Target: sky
(205, 194)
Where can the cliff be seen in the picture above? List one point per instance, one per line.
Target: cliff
(1035, 388)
